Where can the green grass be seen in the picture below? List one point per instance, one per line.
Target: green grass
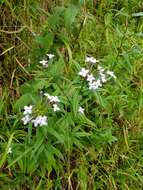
(100, 149)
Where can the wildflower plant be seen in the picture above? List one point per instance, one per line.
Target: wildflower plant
(56, 105)
(74, 109)
(56, 109)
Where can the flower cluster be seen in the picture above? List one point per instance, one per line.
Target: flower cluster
(40, 120)
(29, 117)
(44, 62)
(53, 101)
(91, 60)
(92, 82)
(27, 114)
(103, 76)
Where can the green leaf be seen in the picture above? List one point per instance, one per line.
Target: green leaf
(75, 103)
(39, 84)
(34, 85)
(6, 150)
(56, 69)
(26, 88)
(82, 134)
(20, 157)
(82, 176)
(22, 101)
(70, 15)
(25, 99)
(137, 14)
(78, 143)
(54, 20)
(99, 99)
(56, 134)
(45, 41)
(2, 1)
(87, 121)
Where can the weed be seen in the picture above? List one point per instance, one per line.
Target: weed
(71, 95)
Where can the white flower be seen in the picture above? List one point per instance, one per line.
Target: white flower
(92, 86)
(95, 85)
(101, 70)
(98, 83)
(47, 95)
(102, 75)
(53, 99)
(27, 110)
(40, 120)
(50, 56)
(90, 78)
(103, 78)
(44, 63)
(83, 72)
(56, 108)
(9, 150)
(111, 73)
(81, 110)
(26, 119)
(91, 60)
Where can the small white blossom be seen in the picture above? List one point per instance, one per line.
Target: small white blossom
(98, 82)
(56, 108)
(101, 70)
(47, 95)
(50, 56)
(9, 150)
(90, 78)
(83, 72)
(103, 78)
(102, 75)
(40, 120)
(92, 86)
(27, 110)
(91, 60)
(44, 63)
(111, 73)
(26, 119)
(95, 85)
(81, 110)
(54, 99)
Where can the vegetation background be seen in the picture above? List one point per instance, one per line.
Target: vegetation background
(102, 149)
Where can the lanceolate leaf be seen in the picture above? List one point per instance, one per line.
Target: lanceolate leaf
(24, 100)
(137, 14)
(70, 14)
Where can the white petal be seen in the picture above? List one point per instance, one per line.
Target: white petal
(50, 56)
(81, 110)
(111, 73)
(91, 60)
(56, 108)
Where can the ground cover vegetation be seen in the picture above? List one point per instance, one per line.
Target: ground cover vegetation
(71, 88)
